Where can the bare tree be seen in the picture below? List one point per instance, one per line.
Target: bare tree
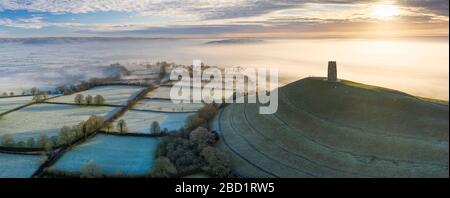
(155, 128)
(99, 100)
(122, 126)
(79, 99)
(7, 140)
(88, 100)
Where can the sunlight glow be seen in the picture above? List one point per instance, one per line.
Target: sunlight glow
(384, 11)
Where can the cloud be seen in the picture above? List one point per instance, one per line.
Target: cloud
(438, 7)
(27, 23)
(218, 16)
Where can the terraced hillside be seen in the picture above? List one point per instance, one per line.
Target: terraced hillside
(342, 129)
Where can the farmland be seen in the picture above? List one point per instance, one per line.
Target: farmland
(139, 121)
(7, 104)
(112, 155)
(113, 94)
(340, 129)
(161, 105)
(19, 166)
(31, 121)
(161, 92)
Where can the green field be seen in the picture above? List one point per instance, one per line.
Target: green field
(139, 121)
(113, 94)
(19, 166)
(342, 129)
(7, 104)
(113, 155)
(48, 119)
(167, 106)
(160, 92)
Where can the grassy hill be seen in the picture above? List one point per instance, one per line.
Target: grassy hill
(342, 129)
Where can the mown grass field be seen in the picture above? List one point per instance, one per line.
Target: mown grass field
(113, 94)
(19, 166)
(7, 104)
(343, 129)
(48, 119)
(112, 155)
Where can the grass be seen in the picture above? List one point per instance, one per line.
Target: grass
(161, 92)
(19, 166)
(167, 106)
(31, 121)
(7, 104)
(113, 94)
(198, 175)
(113, 155)
(139, 121)
(343, 129)
(164, 92)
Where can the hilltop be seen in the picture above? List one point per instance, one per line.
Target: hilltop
(338, 129)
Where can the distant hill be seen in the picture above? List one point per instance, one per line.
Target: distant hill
(342, 129)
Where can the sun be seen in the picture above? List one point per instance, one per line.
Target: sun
(384, 11)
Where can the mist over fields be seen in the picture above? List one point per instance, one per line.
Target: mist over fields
(47, 62)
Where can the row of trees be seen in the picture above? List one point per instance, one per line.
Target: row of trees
(5, 94)
(67, 135)
(89, 100)
(33, 91)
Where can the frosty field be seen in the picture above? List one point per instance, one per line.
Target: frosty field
(7, 104)
(18, 166)
(113, 94)
(161, 92)
(113, 155)
(167, 106)
(31, 121)
(139, 121)
(164, 92)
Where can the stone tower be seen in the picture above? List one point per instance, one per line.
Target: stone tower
(332, 71)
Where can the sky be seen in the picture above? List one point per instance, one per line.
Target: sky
(224, 18)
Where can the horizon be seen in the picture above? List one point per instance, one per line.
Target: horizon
(220, 18)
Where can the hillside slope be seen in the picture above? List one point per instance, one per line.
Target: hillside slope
(342, 129)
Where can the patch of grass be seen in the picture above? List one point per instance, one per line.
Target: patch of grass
(113, 94)
(48, 119)
(19, 166)
(7, 104)
(112, 155)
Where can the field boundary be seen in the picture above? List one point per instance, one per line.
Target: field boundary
(26, 105)
(59, 152)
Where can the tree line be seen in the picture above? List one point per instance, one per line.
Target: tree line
(193, 149)
(89, 100)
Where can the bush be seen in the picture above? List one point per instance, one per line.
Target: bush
(217, 162)
(163, 168)
(194, 121)
(7, 140)
(208, 112)
(202, 137)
